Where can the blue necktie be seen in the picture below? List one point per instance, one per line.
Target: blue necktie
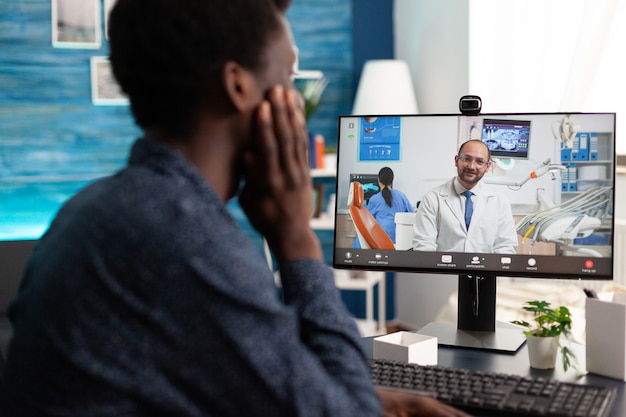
(469, 207)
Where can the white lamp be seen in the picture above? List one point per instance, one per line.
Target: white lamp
(385, 87)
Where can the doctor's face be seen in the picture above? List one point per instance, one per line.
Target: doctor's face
(472, 163)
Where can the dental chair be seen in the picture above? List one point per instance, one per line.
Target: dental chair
(370, 233)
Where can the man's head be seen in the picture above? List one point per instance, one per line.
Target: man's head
(472, 162)
(174, 58)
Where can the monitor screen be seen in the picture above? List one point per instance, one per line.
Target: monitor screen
(547, 213)
(369, 182)
(507, 138)
(560, 208)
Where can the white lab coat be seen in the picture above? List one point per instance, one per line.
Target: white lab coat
(440, 223)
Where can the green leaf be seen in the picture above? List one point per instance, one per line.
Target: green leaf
(312, 92)
(569, 358)
(549, 322)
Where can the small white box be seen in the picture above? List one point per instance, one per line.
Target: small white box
(606, 338)
(407, 347)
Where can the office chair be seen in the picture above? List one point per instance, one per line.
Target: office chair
(370, 233)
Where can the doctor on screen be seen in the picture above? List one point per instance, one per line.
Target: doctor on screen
(464, 214)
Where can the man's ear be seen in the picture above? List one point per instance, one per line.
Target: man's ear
(240, 86)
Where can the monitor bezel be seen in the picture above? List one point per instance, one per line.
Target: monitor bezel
(379, 260)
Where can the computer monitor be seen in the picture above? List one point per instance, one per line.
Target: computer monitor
(558, 198)
(369, 182)
(507, 138)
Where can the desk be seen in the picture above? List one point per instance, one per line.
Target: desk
(517, 364)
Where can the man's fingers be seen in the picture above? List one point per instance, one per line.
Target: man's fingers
(301, 134)
(291, 133)
(282, 126)
(267, 147)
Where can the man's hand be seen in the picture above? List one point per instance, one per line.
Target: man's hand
(278, 194)
(399, 404)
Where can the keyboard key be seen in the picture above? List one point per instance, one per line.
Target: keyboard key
(493, 393)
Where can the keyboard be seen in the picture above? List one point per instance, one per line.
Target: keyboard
(498, 394)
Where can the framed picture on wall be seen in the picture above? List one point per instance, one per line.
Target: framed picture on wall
(379, 139)
(76, 24)
(108, 5)
(104, 89)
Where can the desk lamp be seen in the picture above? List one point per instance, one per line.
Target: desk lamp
(385, 87)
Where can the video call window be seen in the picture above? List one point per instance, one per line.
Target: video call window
(559, 199)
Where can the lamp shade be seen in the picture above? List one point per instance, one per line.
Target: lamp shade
(385, 87)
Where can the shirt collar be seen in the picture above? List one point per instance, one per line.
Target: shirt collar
(164, 158)
(459, 189)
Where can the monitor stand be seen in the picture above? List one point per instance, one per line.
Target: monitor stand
(476, 326)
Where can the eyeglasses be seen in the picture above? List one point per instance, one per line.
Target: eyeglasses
(467, 160)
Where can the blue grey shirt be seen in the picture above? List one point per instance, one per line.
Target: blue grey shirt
(145, 298)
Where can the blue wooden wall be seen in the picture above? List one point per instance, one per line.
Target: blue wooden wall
(53, 140)
(323, 33)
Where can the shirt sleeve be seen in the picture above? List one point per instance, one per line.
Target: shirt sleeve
(296, 357)
(330, 334)
(408, 207)
(374, 205)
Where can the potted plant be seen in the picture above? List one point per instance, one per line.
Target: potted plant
(544, 335)
(311, 92)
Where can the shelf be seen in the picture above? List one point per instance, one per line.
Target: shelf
(309, 75)
(587, 161)
(596, 169)
(324, 222)
(323, 173)
(366, 281)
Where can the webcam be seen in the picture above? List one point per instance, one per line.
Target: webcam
(470, 105)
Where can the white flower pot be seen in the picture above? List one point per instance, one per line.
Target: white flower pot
(542, 351)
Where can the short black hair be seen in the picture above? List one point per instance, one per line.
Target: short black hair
(165, 54)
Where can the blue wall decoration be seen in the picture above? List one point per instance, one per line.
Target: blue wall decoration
(379, 139)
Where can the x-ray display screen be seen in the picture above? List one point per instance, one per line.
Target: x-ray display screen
(507, 138)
